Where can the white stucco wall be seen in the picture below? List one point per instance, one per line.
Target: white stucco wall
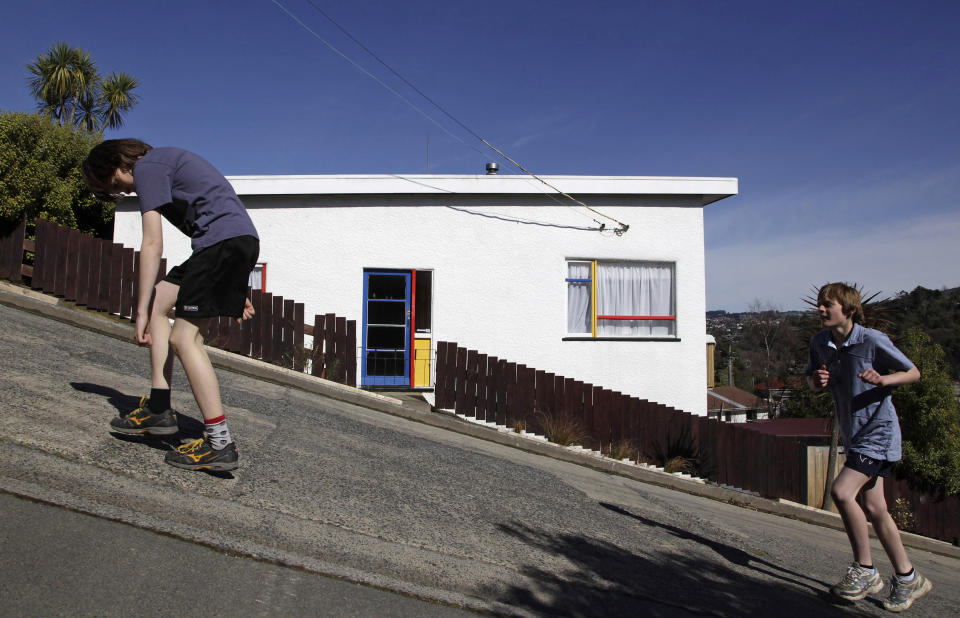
(498, 285)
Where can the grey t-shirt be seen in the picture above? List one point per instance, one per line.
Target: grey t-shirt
(191, 194)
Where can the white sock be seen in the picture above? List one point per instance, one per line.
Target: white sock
(908, 577)
(217, 434)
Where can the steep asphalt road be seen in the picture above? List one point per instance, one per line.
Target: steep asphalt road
(341, 490)
(61, 563)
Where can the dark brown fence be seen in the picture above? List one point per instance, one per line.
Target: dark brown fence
(934, 516)
(103, 276)
(496, 390)
(12, 246)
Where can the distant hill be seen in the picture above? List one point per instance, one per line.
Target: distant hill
(936, 312)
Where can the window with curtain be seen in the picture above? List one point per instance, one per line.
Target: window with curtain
(258, 277)
(621, 299)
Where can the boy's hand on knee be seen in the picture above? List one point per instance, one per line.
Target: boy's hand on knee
(248, 311)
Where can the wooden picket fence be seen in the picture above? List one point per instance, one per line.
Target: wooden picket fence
(937, 517)
(103, 276)
(506, 393)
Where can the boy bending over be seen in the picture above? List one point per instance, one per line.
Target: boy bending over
(190, 193)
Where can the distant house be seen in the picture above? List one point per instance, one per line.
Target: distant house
(775, 391)
(501, 264)
(735, 405)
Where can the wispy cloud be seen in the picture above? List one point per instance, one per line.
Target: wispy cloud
(881, 257)
(882, 198)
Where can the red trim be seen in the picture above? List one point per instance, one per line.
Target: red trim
(636, 317)
(214, 421)
(413, 321)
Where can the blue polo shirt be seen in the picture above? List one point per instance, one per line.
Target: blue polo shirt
(868, 420)
(190, 193)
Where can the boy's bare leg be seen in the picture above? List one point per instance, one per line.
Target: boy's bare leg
(188, 344)
(886, 528)
(216, 451)
(845, 489)
(161, 361)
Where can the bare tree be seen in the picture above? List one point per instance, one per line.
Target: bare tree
(767, 325)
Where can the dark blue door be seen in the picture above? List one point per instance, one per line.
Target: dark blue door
(386, 328)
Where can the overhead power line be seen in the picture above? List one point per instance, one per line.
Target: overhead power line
(498, 216)
(619, 230)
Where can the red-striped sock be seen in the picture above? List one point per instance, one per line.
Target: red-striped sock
(217, 432)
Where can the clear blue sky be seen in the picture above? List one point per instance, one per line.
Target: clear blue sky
(840, 119)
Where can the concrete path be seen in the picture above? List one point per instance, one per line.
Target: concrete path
(343, 490)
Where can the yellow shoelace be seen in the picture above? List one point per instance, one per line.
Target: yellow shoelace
(143, 404)
(190, 447)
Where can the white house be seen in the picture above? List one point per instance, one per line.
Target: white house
(501, 264)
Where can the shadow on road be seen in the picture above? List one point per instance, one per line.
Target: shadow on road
(605, 579)
(189, 428)
(733, 555)
(123, 403)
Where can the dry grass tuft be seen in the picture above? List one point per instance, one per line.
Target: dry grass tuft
(564, 430)
(622, 449)
(680, 464)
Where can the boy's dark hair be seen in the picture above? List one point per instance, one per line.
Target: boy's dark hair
(846, 295)
(104, 160)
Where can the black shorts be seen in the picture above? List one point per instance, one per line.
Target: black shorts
(868, 465)
(213, 281)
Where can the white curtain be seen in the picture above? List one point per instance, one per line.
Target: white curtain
(635, 289)
(256, 278)
(578, 298)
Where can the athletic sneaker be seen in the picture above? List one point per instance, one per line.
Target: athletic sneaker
(857, 583)
(903, 594)
(199, 455)
(143, 420)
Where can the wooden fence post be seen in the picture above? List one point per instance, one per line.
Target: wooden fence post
(72, 265)
(11, 252)
(511, 409)
(317, 355)
(461, 373)
(471, 378)
(41, 234)
(483, 382)
(340, 341)
(351, 369)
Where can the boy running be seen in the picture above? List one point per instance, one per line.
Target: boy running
(860, 365)
(190, 193)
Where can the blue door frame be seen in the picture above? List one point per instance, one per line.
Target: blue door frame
(385, 357)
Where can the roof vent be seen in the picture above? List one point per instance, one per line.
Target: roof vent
(492, 168)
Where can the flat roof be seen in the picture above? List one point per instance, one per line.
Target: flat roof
(712, 189)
